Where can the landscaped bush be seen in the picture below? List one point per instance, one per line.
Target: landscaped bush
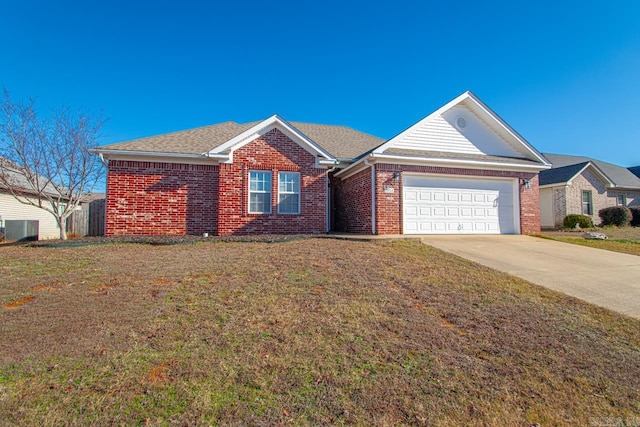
(615, 215)
(583, 221)
(635, 216)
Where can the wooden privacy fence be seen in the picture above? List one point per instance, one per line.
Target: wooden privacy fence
(89, 221)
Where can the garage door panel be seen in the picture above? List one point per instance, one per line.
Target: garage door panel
(458, 205)
(425, 195)
(438, 196)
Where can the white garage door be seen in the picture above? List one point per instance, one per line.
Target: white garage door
(436, 205)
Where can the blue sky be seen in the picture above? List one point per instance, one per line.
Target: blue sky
(564, 74)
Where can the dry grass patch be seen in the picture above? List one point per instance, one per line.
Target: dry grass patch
(620, 239)
(305, 332)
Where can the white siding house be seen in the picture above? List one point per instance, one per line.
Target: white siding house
(10, 208)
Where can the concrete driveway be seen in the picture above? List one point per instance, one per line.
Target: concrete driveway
(605, 278)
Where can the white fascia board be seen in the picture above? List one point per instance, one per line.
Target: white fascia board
(352, 169)
(554, 185)
(265, 126)
(145, 156)
(508, 129)
(469, 164)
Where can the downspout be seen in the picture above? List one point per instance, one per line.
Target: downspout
(328, 196)
(104, 162)
(373, 195)
(106, 192)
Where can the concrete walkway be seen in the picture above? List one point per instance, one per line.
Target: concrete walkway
(605, 278)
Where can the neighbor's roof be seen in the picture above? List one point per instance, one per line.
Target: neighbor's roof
(342, 142)
(635, 170)
(562, 174)
(620, 176)
(19, 182)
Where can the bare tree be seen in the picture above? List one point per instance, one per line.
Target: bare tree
(45, 162)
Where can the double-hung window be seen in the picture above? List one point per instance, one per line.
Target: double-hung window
(622, 200)
(289, 193)
(587, 203)
(259, 192)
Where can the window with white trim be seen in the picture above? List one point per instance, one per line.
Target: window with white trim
(259, 192)
(622, 200)
(289, 193)
(587, 203)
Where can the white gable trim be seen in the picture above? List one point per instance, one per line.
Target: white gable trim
(267, 125)
(597, 171)
(469, 97)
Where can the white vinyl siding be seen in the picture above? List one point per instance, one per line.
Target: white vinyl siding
(259, 192)
(439, 205)
(11, 209)
(289, 193)
(443, 135)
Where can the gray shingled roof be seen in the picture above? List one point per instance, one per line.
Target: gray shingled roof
(459, 156)
(340, 141)
(561, 174)
(620, 176)
(635, 170)
(19, 182)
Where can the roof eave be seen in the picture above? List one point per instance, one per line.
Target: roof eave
(435, 161)
(463, 162)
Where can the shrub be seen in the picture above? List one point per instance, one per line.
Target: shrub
(583, 221)
(635, 216)
(615, 215)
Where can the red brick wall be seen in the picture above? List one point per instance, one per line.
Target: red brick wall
(352, 203)
(389, 204)
(161, 198)
(273, 152)
(530, 206)
(388, 199)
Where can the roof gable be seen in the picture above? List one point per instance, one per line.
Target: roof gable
(463, 126)
(565, 174)
(259, 129)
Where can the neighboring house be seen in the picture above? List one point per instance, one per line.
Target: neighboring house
(635, 170)
(581, 185)
(12, 209)
(460, 170)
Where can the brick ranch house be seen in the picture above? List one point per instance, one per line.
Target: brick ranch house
(460, 170)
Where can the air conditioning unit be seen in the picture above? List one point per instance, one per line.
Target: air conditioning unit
(21, 230)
